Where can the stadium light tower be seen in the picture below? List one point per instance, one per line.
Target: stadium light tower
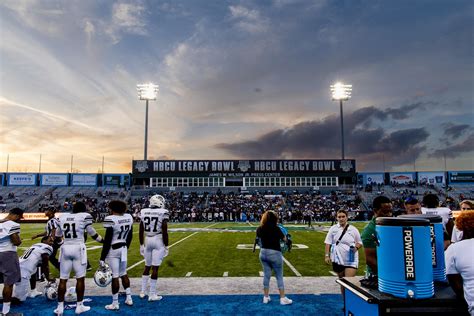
(341, 92)
(147, 92)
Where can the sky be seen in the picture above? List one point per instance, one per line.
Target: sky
(237, 80)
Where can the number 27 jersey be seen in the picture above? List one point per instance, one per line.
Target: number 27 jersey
(121, 225)
(152, 218)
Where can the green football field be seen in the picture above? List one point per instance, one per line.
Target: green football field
(216, 250)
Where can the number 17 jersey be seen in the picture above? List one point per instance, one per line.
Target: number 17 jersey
(121, 225)
(152, 219)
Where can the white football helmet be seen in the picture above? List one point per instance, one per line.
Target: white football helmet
(51, 291)
(103, 275)
(158, 201)
(71, 295)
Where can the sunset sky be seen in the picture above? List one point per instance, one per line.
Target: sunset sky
(238, 79)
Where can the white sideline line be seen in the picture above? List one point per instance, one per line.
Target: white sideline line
(333, 273)
(188, 274)
(140, 262)
(292, 267)
(226, 274)
(260, 273)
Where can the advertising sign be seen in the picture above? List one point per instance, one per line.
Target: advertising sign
(246, 168)
(84, 180)
(461, 177)
(374, 178)
(112, 179)
(22, 179)
(32, 217)
(401, 178)
(54, 179)
(431, 178)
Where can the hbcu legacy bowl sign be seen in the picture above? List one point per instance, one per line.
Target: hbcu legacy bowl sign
(242, 167)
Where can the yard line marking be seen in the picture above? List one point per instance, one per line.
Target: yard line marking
(188, 274)
(333, 273)
(292, 267)
(260, 273)
(226, 274)
(140, 262)
(250, 224)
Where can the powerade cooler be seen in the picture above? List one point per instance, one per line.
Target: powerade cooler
(437, 244)
(404, 257)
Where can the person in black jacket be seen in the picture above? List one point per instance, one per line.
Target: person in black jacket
(269, 235)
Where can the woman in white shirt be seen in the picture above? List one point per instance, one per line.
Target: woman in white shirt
(343, 251)
(460, 260)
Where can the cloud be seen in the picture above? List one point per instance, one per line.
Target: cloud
(127, 18)
(455, 150)
(454, 131)
(322, 138)
(249, 20)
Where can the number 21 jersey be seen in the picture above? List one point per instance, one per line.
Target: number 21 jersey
(73, 226)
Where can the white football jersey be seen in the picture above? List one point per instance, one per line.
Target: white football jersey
(6, 229)
(73, 226)
(31, 258)
(444, 212)
(121, 224)
(152, 218)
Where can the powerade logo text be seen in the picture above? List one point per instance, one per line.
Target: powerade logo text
(433, 246)
(408, 253)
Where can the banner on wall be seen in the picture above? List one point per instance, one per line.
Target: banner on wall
(377, 178)
(32, 217)
(431, 178)
(84, 180)
(401, 178)
(112, 179)
(22, 179)
(461, 177)
(54, 179)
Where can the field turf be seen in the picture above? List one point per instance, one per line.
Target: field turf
(210, 250)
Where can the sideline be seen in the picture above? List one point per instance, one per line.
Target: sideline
(140, 262)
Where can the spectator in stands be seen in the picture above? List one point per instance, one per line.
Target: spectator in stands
(342, 244)
(9, 262)
(270, 255)
(382, 207)
(431, 206)
(412, 205)
(460, 259)
(466, 205)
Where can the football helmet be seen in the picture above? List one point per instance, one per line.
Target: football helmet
(51, 291)
(158, 201)
(103, 275)
(71, 295)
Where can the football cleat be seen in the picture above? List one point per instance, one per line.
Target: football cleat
(81, 309)
(157, 201)
(266, 299)
(129, 302)
(112, 307)
(142, 295)
(34, 293)
(154, 297)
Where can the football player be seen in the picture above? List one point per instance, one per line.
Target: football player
(50, 231)
(118, 236)
(153, 225)
(73, 227)
(36, 255)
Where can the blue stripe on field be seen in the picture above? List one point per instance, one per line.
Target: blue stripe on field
(303, 304)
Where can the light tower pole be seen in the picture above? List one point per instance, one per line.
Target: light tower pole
(341, 92)
(147, 92)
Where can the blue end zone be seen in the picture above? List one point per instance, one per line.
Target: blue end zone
(303, 304)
